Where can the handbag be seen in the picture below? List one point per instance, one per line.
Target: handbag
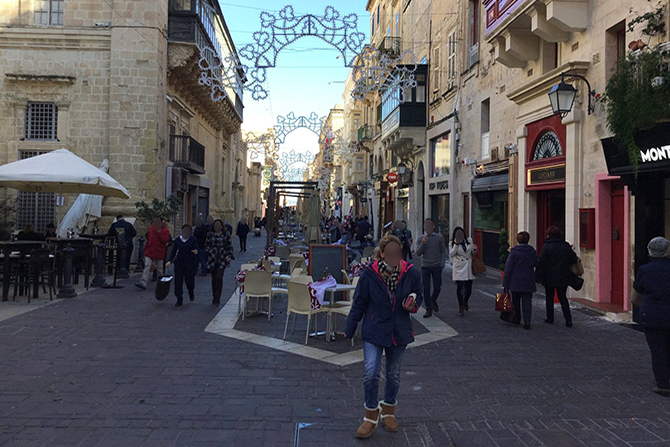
(504, 302)
(636, 298)
(577, 268)
(478, 266)
(576, 282)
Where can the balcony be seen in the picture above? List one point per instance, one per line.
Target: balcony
(366, 133)
(390, 45)
(187, 153)
(515, 27)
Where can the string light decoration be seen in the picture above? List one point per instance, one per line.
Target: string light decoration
(374, 69)
(378, 70)
(262, 147)
(286, 165)
(287, 124)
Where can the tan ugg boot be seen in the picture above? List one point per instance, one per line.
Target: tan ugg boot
(388, 417)
(369, 423)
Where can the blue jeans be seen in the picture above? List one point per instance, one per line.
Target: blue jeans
(202, 259)
(373, 364)
(426, 274)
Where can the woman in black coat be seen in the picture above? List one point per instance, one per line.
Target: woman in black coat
(242, 233)
(185, 257)
(652, 281)
(554, 273)
(519, 278)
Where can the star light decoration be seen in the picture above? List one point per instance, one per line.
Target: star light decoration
(374, 70)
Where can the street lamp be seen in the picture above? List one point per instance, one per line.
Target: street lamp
(402, 167)
(562, 95)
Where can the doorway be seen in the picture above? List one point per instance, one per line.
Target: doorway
(550, 212)
(617, 228)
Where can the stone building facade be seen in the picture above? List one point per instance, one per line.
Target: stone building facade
(119, 81)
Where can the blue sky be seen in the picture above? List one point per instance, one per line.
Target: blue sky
(309, 74)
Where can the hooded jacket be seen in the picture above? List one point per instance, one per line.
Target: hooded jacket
(385, 322)
(520, 269)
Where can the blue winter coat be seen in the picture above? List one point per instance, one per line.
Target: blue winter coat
(385, 321)
(520, 269)
(652, 281)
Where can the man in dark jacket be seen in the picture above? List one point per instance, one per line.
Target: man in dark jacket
(185, 257)
(652, 281)
(364, 228)
(242, 233)
(519, 278)
(125, 231)
(200, 234)
(554, 273)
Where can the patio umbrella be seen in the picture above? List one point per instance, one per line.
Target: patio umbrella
(313, 235)
(87, 207)
(61, 172)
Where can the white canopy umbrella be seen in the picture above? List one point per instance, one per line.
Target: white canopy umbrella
(61, 172)
(86, 208)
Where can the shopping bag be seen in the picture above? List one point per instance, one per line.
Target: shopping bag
(504, 302)
(576, 282)
(577, 268)
(163, 286)
(478, 266)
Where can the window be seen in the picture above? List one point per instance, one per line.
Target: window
(451, 61)
(372, 27)
(486, 125)
(37, 209)
(379, 12)
(388, 31)
(41, 121)
(49, 12)
(615, 46)
(440, 155)
(547, 146)
(435, 72)
(397, 24)
(473, 23)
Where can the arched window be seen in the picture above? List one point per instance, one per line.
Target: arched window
(547, 146)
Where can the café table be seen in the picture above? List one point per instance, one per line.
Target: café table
(8, 247)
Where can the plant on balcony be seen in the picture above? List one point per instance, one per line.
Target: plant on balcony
(638, 94)
(166, 210)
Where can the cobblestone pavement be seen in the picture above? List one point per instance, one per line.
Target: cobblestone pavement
(118, 368)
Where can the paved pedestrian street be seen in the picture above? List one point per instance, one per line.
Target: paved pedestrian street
(118, 368)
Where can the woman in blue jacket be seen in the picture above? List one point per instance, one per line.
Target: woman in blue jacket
(185, 257)
(388, 291)
(652, 281)
(519, 278)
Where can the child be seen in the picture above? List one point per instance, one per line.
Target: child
(185, 257)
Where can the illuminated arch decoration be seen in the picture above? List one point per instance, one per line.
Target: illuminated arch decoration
(289, 123)
(262, 147)
(286, 169)
(280, 31)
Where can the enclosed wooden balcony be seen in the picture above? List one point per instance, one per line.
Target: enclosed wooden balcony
(187, 153)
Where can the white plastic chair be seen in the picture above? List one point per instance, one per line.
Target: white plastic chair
(300, 303)
(258, 284)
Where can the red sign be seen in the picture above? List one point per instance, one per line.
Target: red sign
(392, 177)
(339, 203)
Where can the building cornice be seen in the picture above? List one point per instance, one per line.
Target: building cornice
(544, 83)
(56, 38)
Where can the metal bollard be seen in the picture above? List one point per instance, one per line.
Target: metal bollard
(140, 255)
(66, 290)
(99, 280)
(123, 260)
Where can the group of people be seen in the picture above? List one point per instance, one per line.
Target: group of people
(208, 246)
(29, 234)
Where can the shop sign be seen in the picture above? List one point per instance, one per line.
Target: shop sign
(655, 154)
(548, 174)
(439, 186)
(392, 177)
(364, 199)
(403, 193)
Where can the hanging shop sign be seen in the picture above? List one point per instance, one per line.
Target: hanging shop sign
(403, 193)
(392, 177)
(439, 186)
(546, 175)
(654, 150)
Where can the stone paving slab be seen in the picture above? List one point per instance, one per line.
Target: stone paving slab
(117, 368)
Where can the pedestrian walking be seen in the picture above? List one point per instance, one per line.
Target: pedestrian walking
(200, 234)
(462, 250)
(219, 254)
(242, 233)
(184, 255)
(405, 236)
(228, 227)
(158, 237)
(554, 273)
(519, 278)
(389, 290)
(652, 281)
(363, 230)
(432, 249)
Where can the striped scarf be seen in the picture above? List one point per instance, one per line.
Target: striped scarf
(390, 275)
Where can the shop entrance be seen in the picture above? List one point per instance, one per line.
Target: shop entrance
(550, 211)
(617, 226)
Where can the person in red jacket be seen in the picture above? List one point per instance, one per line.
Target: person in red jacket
(154, 251)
